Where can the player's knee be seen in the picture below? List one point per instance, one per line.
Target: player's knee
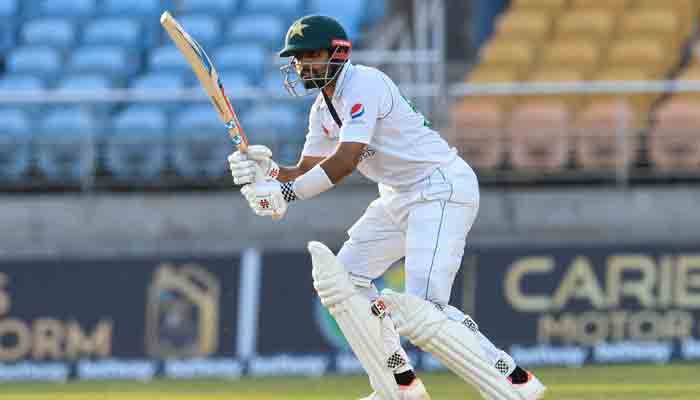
(435, 291)
(457, 315)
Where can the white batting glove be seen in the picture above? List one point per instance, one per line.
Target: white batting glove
(265, 198)
(253, 166)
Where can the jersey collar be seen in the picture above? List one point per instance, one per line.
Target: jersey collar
(344, 76)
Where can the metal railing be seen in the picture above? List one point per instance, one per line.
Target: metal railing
(633, 138)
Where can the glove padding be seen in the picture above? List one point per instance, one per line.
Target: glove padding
(265, 198)
(253, 166)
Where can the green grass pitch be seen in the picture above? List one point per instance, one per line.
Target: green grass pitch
(669, 382)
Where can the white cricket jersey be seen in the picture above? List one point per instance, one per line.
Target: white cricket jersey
(402, 148)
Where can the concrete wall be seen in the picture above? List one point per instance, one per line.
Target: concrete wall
(98, 224)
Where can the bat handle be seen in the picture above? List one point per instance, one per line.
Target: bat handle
(236, 135)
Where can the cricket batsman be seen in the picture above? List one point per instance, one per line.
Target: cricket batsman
(428, 201)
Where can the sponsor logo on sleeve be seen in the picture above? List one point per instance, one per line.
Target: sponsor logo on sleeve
(357, 111)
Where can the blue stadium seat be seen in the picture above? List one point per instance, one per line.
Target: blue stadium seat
(249, 58)
(272, 119)
(215, 7)
(285, 8)
(63, 143)
(269, 29)
(272, 84)
(109, 60)
(15, 137)
(80, 9)
(132, 8)
(348, 13)
(21, 82)
(234, 81)
(35, 60)
(9, 8)
(89, 82)
(137, 146)
(54, 32)
(168, 59)
(204, 28)
(125, 32)
(8, 35)
(277, 125)
(200, 142)
(160, 81)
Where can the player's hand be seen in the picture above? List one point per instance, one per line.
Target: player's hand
(265, 198)
(253, 166)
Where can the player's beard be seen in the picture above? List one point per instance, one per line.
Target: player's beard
(316, 79)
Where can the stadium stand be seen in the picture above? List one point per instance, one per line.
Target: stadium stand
(44, 62)
(578, 55)
(586, 40)
(269, 29)
(600, 128)
(206, 28)
(75, 9)
(516, 54)
(124, 32)
(528, 25)
(199, 148)
(615, 6)
(673, 141)
(60, 143)
(596, 25)
(136, 147)
(538, 135)
(88, 45)
(14, 144)
(53, 32)
(551, 8)
(477, 132)
(215, 7)
(545, 73)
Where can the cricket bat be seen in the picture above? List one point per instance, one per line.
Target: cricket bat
(208, 77)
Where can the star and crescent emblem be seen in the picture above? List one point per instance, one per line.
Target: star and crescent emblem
(297, 29)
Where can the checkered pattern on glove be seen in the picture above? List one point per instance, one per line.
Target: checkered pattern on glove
(288, 191)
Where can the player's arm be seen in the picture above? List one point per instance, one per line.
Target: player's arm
(343, 161)
(303, 166)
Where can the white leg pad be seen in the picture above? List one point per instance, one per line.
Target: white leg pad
(352, 312)
(453, 343)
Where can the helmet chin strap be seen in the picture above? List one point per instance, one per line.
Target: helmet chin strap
(332, 72)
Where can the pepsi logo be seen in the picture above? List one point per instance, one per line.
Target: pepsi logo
(357, 111)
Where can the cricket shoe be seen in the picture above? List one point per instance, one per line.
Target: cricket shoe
(414, 391)
(532, 389)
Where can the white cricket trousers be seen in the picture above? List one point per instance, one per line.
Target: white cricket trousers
(426, 223)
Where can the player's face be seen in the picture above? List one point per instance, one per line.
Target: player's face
(312, 68)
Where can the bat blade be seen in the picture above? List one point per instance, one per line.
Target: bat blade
(208, 77)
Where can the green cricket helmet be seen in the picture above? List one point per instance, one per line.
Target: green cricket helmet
(308, 34)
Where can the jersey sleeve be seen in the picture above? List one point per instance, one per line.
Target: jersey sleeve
(360, 113)
(317, 144)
